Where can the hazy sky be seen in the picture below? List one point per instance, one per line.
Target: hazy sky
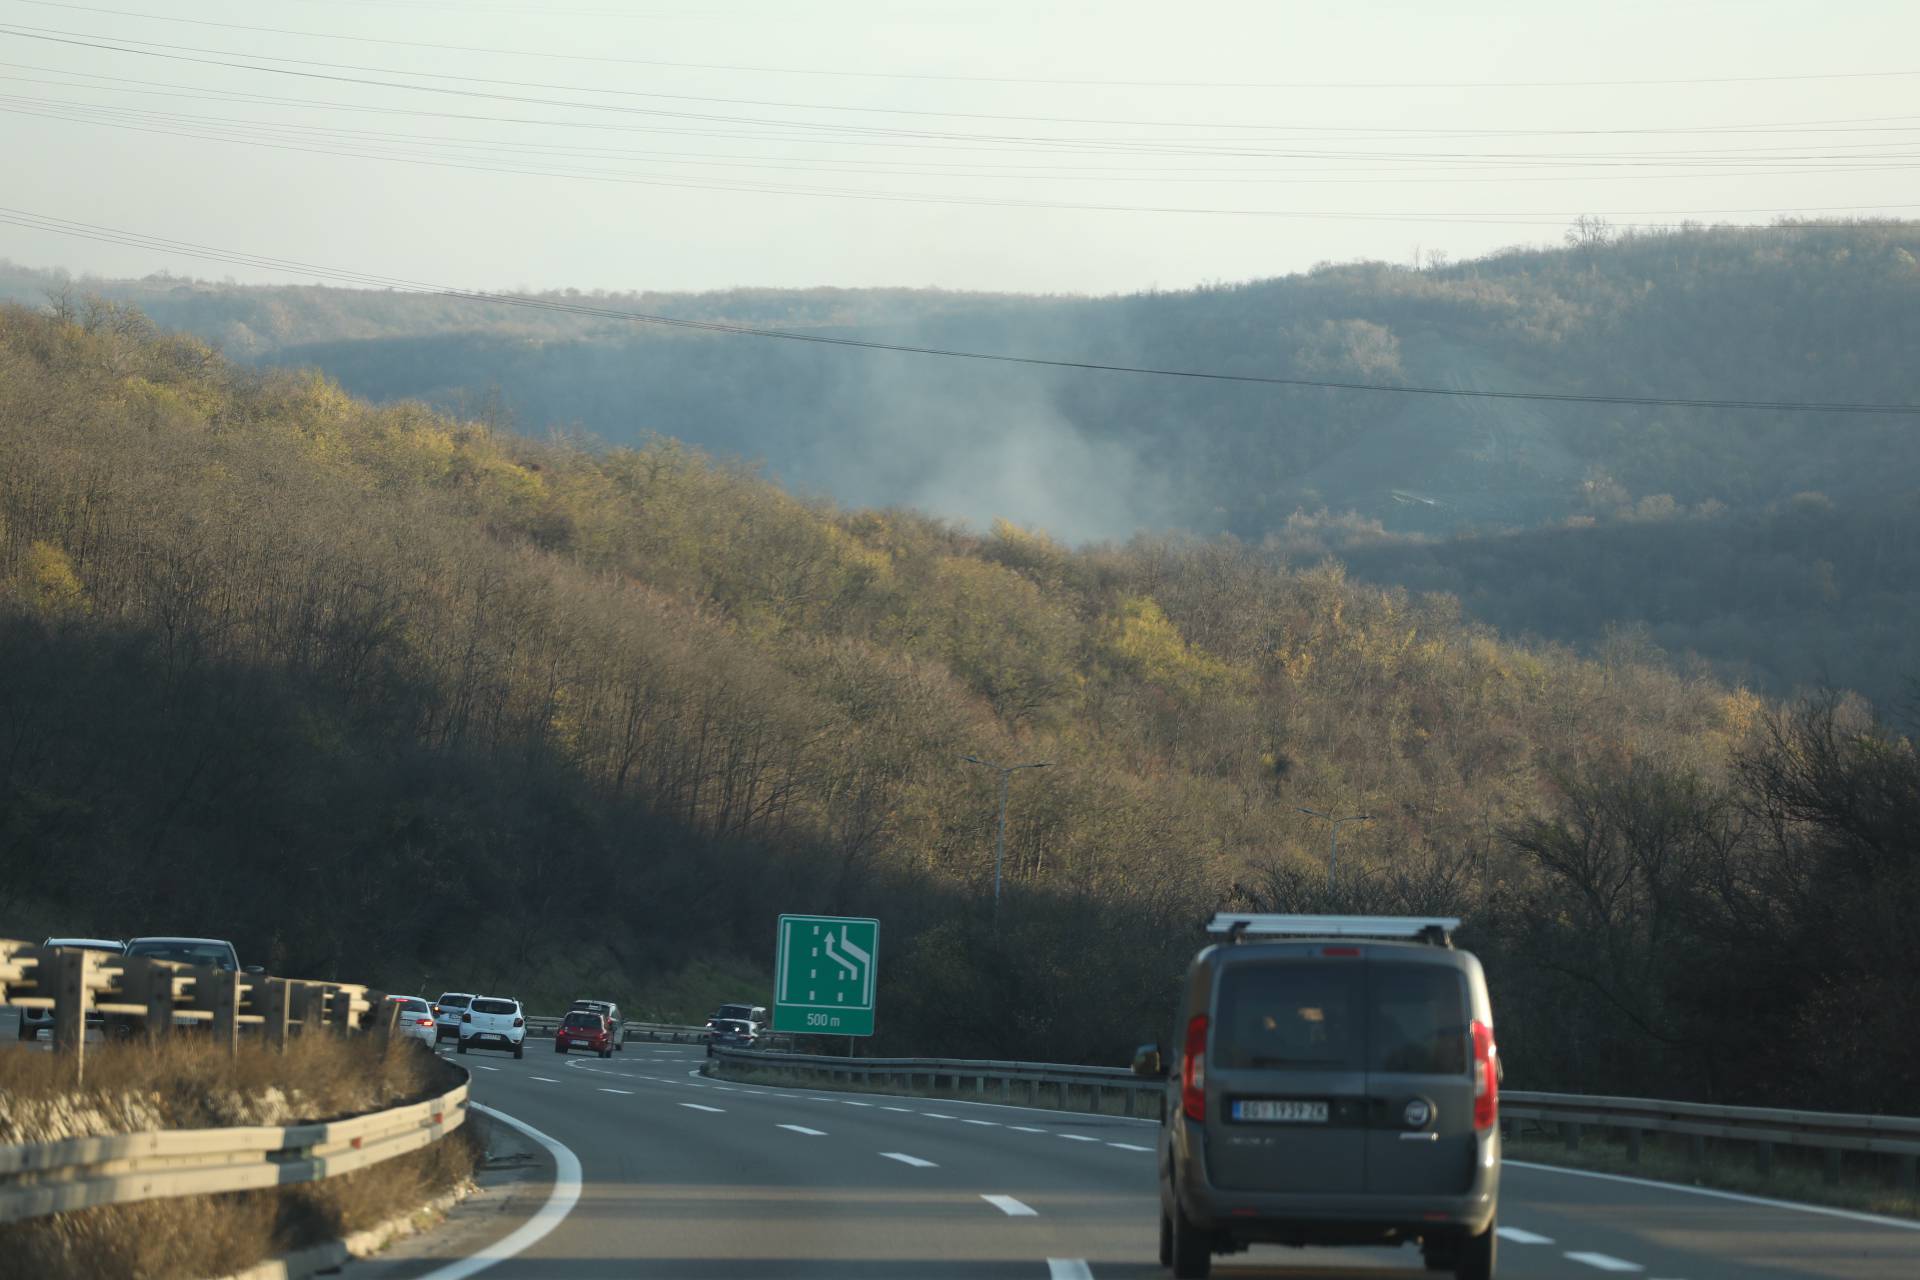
(925, 142)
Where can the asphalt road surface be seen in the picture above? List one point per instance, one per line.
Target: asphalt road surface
(687, 1177)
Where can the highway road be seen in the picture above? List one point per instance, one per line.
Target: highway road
(688, 1177)
(682, 1176)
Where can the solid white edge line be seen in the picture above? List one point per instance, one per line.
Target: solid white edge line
(1011, 1207)
(560, 1202)
(1068, 1269)
(1851, 1215)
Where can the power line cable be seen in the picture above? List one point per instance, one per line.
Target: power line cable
(218, 57)
(114, 235)
(995, 80)
(357, 143)
(960, 200)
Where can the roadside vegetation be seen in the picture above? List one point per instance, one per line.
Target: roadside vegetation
(1779, 547)
(1867, 1184)
(391, 696)
(181, 1083)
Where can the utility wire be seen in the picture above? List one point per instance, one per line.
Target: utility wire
(257, 62)
(998, 80)
(114, 235)
(961, 200)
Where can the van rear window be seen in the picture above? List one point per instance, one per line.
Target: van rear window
(1419, 1019)
(1342, 1016)
(1296, 1016)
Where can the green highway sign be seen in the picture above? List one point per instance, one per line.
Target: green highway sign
(823, 982)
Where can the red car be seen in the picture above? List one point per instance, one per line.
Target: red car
(583, 1030)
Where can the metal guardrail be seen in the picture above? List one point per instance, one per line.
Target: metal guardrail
(1894, 1137)
(141, 996)
(76, 1173)
(1029, 1083)
(547, 1024)
(1764, 1128)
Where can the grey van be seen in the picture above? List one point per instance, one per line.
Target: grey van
(1331, 1080)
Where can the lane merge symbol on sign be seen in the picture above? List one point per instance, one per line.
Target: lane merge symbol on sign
(826, 975)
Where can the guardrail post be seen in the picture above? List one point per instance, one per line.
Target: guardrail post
(149, 983)
(1570, 1131)
(1006, 1089)
(66, 976)
(340, 1009)
(220, 990)
(383, 1015)
(1696, 1149)
(276, 1010)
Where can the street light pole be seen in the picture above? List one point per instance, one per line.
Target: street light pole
(1333, 838)
(1006, 772)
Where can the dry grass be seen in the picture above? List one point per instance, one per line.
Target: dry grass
(183, 1084)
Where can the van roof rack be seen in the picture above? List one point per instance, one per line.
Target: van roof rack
(1232, 926)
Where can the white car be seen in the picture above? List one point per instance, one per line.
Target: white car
(493, 1022)
(416, 1020)
(446, 1013)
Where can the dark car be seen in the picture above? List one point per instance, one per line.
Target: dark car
(1338, 1087)
(584, 1029)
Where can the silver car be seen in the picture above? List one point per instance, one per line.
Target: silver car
(1340, 1086)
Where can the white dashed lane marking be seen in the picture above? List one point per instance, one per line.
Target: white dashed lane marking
(991, 1124)
(1604, 1262)
(1514, 1235)
(1011, 1207)
(694, 1106)
(905, 1111)
(915, 1161)
(1025, 1128)
(624, 1092)
(1128, 1146)
(800, 1128)
(1078, 1137)
(935, 1115)
(1068, 1269)
(484, 1067)
(544, 1079)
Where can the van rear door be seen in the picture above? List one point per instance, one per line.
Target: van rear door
(1419, 1074)
(1286, 1080)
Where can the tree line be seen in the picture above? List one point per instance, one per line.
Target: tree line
(388, 693)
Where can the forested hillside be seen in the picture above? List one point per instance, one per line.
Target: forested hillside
(1797, 313)
(379, 691)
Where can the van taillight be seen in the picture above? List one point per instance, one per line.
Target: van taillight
(1486, 1077)
(1193, 1069)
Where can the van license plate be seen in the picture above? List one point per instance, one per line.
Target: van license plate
(1282, 1112)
